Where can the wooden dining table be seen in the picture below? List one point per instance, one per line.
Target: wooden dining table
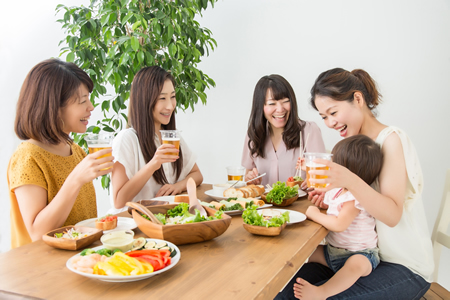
(234, 265)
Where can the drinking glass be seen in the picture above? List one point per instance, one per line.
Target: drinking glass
(171, 137)
(235, 173)
(97, 142)
(311, 165)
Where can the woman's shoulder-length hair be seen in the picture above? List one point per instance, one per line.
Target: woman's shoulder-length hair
(46, 90)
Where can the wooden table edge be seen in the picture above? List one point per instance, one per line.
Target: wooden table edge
(292, 266)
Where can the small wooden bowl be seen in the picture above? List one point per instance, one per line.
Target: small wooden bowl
(286, 202)
(68, 244)
(293, 183)
(262, 230)
(181, 234)
(148, 203)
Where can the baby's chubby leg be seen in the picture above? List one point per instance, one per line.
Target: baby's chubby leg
(355, 267)
(303, 289)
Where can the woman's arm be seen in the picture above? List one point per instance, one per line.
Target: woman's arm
(40, 217)
(125, 189)
(180, 186)
(334, 223)
(386, 206)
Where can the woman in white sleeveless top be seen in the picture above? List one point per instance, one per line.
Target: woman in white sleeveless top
(345, 101)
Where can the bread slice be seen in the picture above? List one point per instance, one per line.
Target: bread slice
(106, 225)
(181, 198)
(261, 189)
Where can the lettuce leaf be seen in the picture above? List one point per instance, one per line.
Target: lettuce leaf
(281, 192)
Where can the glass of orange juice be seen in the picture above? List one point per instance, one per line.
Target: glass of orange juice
(311, 165)
(171, 137)
(97, 142)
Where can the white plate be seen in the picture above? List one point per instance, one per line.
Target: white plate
(301, 192)
(217, 195)
(122, 224)
(170, 199)
(130, 278)
(294, 216)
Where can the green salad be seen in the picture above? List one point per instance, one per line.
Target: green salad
(229, 206)
(252, 217)
(280, 191)
(180, 215)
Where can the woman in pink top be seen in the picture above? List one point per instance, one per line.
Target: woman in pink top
(352, 250)
(273, 136)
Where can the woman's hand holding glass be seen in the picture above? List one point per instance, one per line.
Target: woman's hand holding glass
(92, 166)
(161, 155)
(337, 176)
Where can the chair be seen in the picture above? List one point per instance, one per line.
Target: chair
(439, 238)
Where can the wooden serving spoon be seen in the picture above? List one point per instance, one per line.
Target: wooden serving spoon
(193, 201)
(145, 211)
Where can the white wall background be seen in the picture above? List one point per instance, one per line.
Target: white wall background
(404, 45)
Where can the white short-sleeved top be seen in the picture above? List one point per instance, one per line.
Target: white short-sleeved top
(127, 151)
(360, 234)
(409, 242)
(280, 165)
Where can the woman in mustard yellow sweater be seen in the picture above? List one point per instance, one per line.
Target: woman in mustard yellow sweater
(49, 176)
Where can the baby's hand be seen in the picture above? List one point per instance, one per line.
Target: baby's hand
(311, 211)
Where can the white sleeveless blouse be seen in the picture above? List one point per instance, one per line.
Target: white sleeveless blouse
(409, 242)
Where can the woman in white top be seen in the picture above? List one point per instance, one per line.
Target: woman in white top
(345, 101)
(142, 168)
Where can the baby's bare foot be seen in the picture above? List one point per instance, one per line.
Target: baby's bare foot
(305, 291)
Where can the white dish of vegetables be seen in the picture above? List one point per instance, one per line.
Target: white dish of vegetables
(150, 244)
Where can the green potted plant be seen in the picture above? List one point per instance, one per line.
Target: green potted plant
(113, 39)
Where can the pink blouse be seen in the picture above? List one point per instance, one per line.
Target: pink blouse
(280, 165)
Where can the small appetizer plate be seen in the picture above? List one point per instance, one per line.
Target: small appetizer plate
(94, 234)
(301, 193)
(122, 224)
(262, 230)
(130, 278)
(286, 202)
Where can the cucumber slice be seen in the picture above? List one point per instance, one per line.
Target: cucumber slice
(164, 248)
(161, 244)
(138, 243)
(150, 245)
(173, 252)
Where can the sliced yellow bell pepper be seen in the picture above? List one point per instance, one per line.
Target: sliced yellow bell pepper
(122, 265)
(109, 269)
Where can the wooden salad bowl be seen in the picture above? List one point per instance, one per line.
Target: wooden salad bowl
(148, 203)
(286, 202)
(68, 244)
(262, 230)
(181, 234)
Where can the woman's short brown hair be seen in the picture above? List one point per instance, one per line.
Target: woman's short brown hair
(361, 155)
(46, 89)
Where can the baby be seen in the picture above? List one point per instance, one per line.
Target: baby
(351, 251)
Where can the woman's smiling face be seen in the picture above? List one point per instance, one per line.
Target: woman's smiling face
(165, 105)
(276, 111)
(344, 116)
